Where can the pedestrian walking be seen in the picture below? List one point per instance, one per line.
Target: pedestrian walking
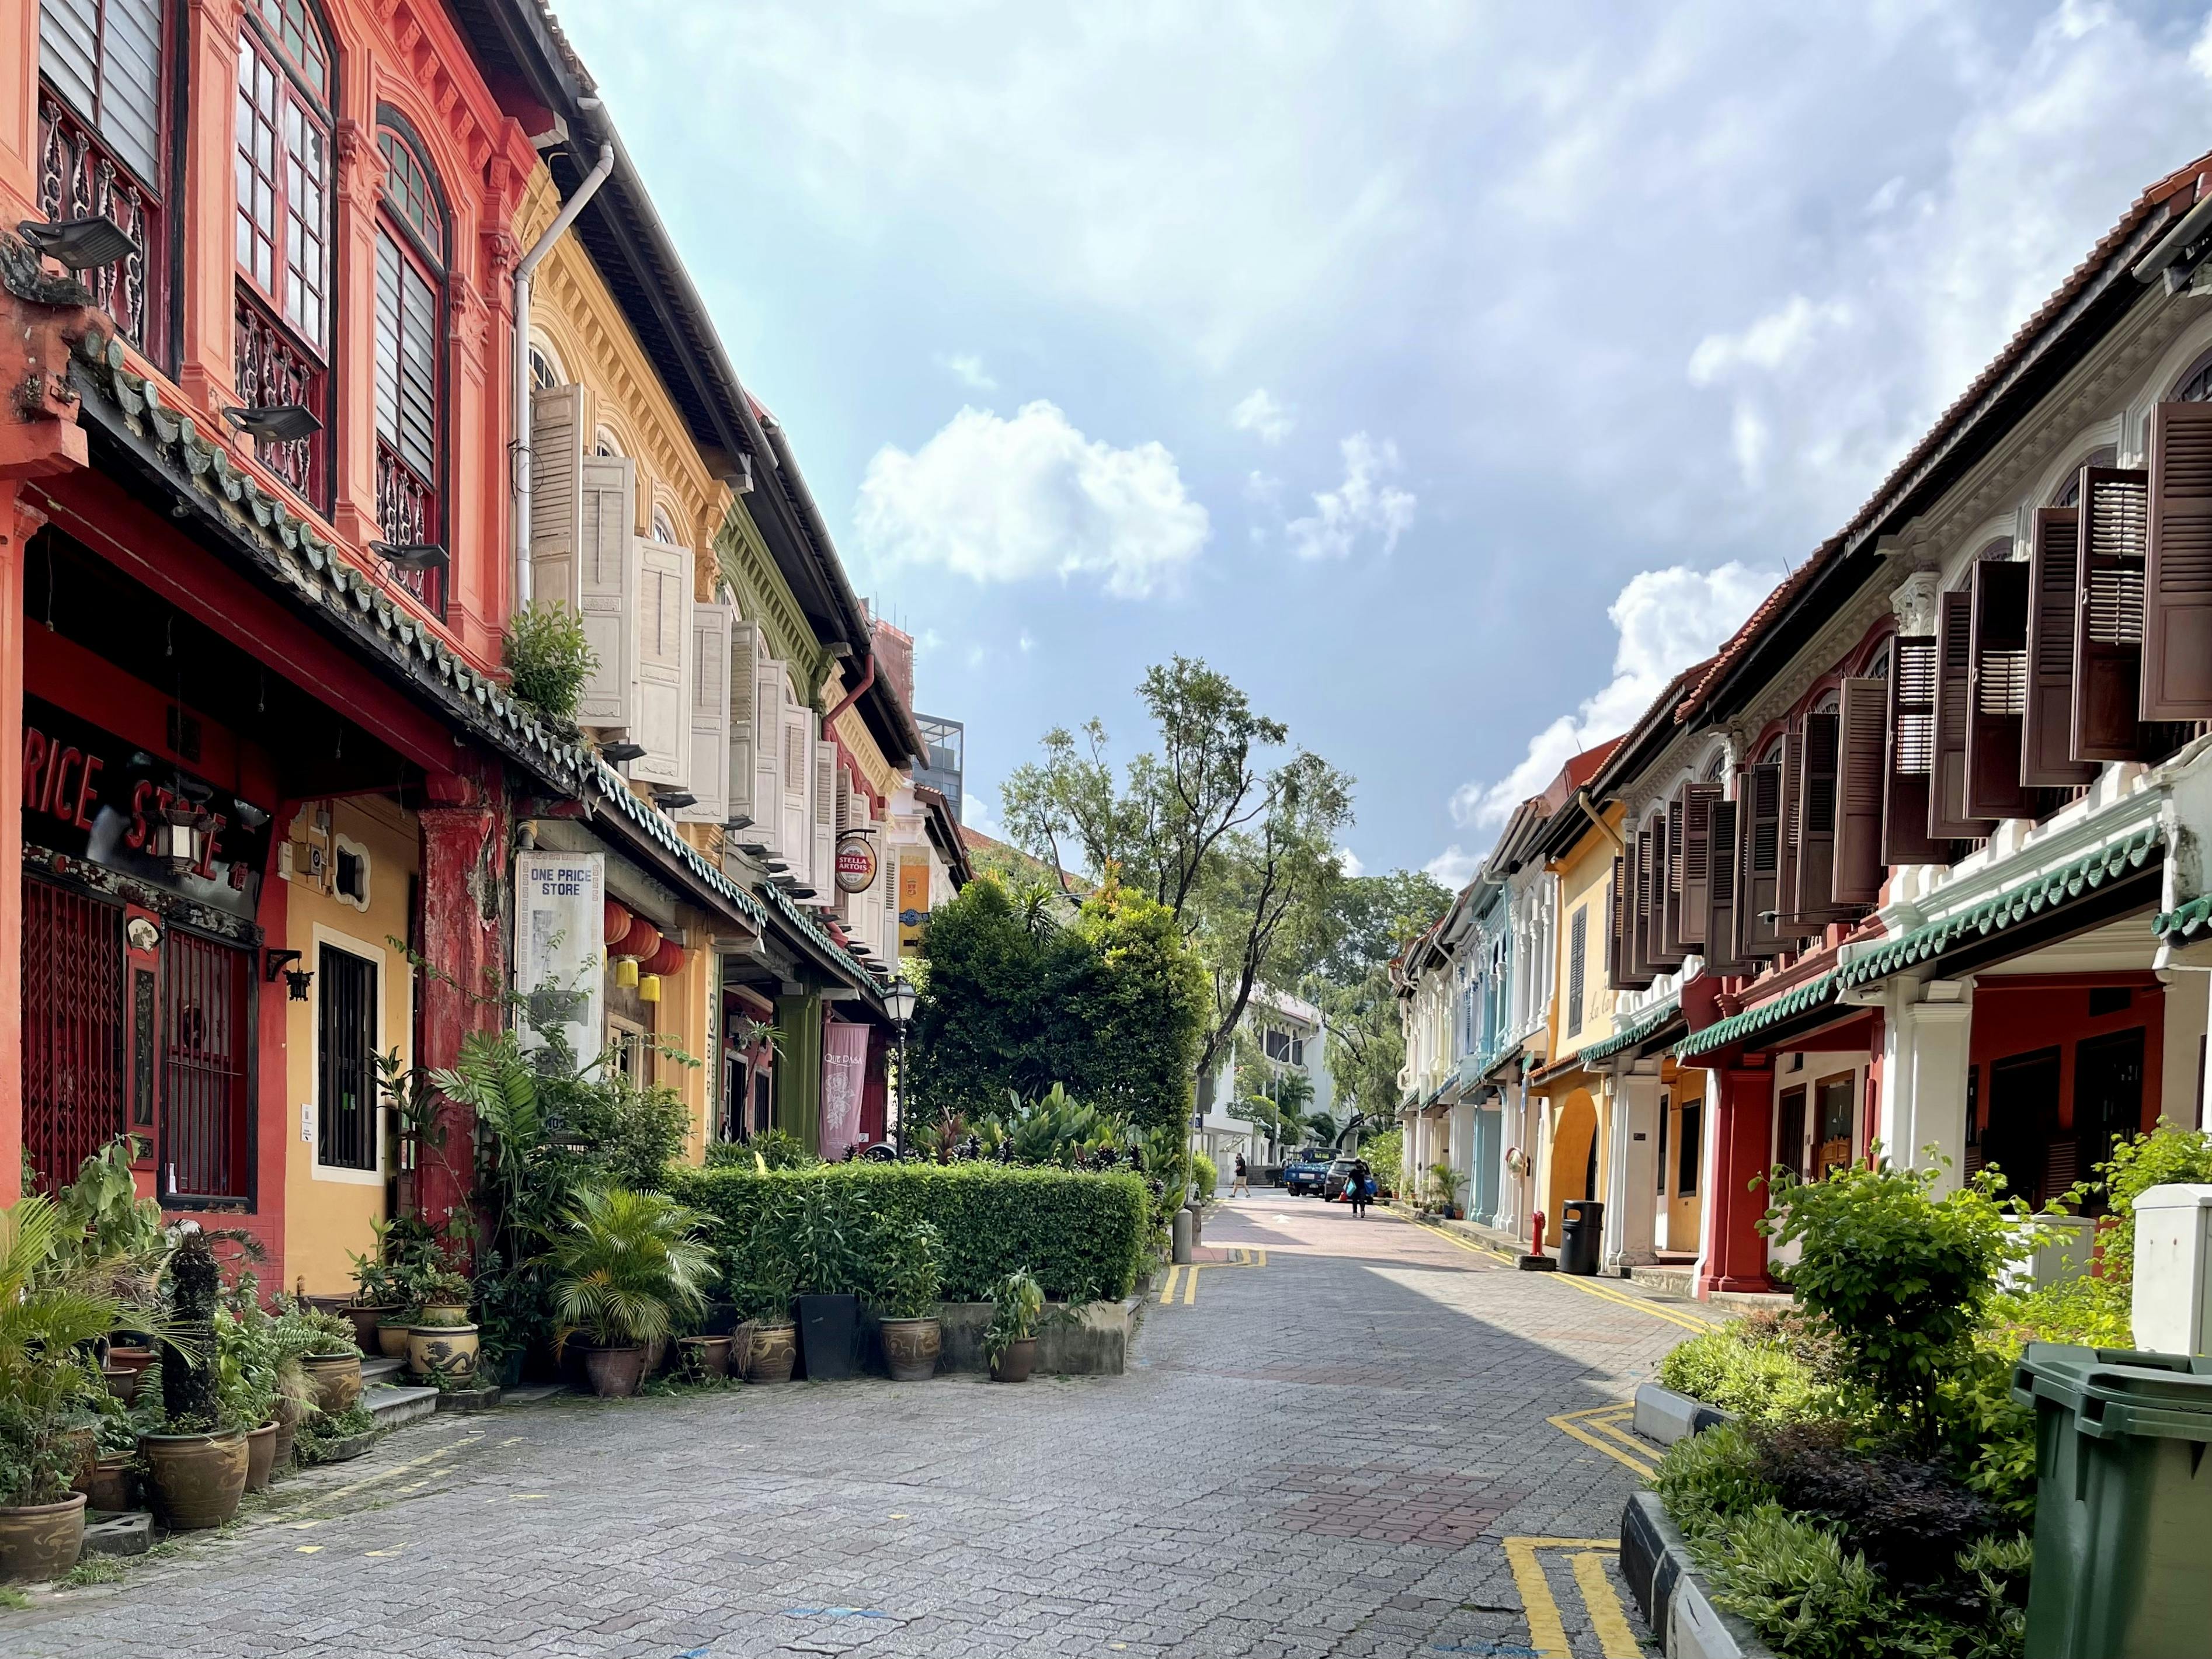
(1241, 1184)
(1358, 1186)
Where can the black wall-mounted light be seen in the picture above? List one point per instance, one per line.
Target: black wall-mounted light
(616, 753)
(674, 801)
(275, 423)
(81, 244)
(411, 556)
(274, 961)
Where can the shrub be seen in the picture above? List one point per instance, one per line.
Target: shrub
(1908, 1518)
(1386, 1155)
(1758, 1380)
(1203, 1172)
(549, 659)
(1710, 1479)
(1082, 1234)
(1790, 1578)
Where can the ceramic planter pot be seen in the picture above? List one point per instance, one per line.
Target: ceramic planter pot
(122, 1381)
(106, 1485)
(337, 1380)
(614, 1373)
(260, 1455)
(706, 1356)
(830, 1327)
(41, 1541)
(198, 1478)
(288, 1429)
(452, 1349)
(391, 1336)
(366, 1316)
(1015, 1365)
(911, 1347)
(444, 1313)
(656, 1355)
(129, 1360)
(775, 1351)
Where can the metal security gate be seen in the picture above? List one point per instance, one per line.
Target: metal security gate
(346, 1109)
(73, 1027)
(207, 1043)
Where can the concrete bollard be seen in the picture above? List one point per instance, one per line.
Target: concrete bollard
(1178, 1232)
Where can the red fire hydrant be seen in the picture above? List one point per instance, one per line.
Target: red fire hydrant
(1536, 1242)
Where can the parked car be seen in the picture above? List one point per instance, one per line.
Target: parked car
(1332, 1179)
(1304, 1173)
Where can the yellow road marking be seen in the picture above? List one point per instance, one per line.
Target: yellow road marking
(383, 1476)
(1168, 1290)
(1614, 1638)
(306, 1549)
(1681, 1316)
(1190, 1286)
(1571, 1423)
(1547, 1634)
(1185, 1274)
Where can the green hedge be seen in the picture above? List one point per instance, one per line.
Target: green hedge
(1078, 1233)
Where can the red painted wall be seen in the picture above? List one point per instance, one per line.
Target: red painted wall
(2045, 1013)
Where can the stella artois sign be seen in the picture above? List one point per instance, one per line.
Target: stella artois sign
(856, 864)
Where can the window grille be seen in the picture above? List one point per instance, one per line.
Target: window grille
(207, 1050)
(345, 1132)
(73, 1026)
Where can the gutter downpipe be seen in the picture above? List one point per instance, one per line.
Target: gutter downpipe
(1582, 800)
(867, 679)
(523, 272)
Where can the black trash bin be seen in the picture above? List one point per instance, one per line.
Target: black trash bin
(1582, 1231)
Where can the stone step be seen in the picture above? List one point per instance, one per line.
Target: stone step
(1675, 1280)
(392, 1407)
(117, 1532)
(381, 1369)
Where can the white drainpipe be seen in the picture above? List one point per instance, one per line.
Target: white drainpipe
(554, 232)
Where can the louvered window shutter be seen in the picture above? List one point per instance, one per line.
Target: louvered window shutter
(795, 837)
(1911, 756)
(606, 588)
(1663, 955)
(1815, 901)
(842, 783)
(1578, 959)
(746, 650)
(559, 415)
(1639, 910)
(825, 820)
(2046, 745)
(771, 694)
(711, 626)
(1789, 927)
(1758, 894)
(1862, 773)
(2177, 659)
(2114, 530)
(1720, 888)
(1947, 789)
(1670, 826)
(1696, 801)
(663, 720)
(1997, 705)
(1617, 968)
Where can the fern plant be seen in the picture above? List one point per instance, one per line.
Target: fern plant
(628, 1268)
(549, 659)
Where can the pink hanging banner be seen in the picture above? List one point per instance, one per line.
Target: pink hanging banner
(844, 1072)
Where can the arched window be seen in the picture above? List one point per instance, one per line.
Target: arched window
(104, 118)
(280, 346)
(2069, 493)
(603, 443)
(663, 528)
(2197, 385)
(412, 247)
(545, 373)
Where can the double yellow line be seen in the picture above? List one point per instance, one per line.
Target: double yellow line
(1548, 1631)
(1606, 1428)
(1680, 1316)
(1239, 1256)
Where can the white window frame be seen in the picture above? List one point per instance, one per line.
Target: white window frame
(320, 936)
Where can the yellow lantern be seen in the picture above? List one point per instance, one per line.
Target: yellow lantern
(648, 985)
(626, 973)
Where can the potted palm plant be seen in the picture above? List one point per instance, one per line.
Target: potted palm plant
(627, 1267)
(47, 1324)
(910, 1279)
(1010, 1340)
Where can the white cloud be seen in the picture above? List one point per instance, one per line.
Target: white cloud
(1778, 339)
(1453, 867)
(1665, 620)
(1262, 415)
(1349, 862)
(1027, 642)
(1263, 487)
(1361, 507)
(966, 367)
(1006, 501)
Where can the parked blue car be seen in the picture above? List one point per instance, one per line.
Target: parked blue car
(1304, 1175)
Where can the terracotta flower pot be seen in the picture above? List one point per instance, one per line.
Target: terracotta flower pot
(775, 1350)
(366, 1318)
(1015, 1365)
(391, 1337)
(122, 1380)
(614, 1373)
(656, 1355)
(260, 1455)
(706, 1356)
(337, 1379)
(199, 1478)
(128, 1359)
(41, 1541)
(452, 1349)
(911, 1347)
(108, 1485)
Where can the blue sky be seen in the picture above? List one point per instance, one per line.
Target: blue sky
(1448, 374)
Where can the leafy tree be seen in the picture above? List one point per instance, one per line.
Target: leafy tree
(1373, 918)
(1232, 837)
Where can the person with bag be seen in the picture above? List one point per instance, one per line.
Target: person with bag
(1241, 1184)
(1359, 1187)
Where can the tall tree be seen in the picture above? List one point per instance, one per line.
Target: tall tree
(1372, 919)
(1224, 823)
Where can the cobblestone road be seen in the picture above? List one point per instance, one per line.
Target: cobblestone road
(1326, 1456)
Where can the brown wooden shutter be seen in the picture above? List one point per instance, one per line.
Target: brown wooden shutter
(2046, 758)
(1946, 787)
(1997, 704)
(1759, 891)
(1911, 756)
(2177, 651)
(1697, 806)
(1815, 900)
(1640, 909)
(1662, 957)
(1862, 773)
(1789, 927)
(1673, 822)
(1721, 956)
(1617, 970)
(2114, 530)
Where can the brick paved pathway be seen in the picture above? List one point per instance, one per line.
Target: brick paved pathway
(1322, 1457)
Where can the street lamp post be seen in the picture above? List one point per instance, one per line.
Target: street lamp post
(899, 1001)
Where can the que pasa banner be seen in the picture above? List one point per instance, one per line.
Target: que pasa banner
(844, 1072)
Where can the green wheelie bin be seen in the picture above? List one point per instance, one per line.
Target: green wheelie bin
(2123, 1504)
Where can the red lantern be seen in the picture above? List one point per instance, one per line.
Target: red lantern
(614, 925)
(641, 942)
(666, 960)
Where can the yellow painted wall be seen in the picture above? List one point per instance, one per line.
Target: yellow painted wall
(1684, 1214)
(685, 1019)
(1584, 871)
(328, 1211)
